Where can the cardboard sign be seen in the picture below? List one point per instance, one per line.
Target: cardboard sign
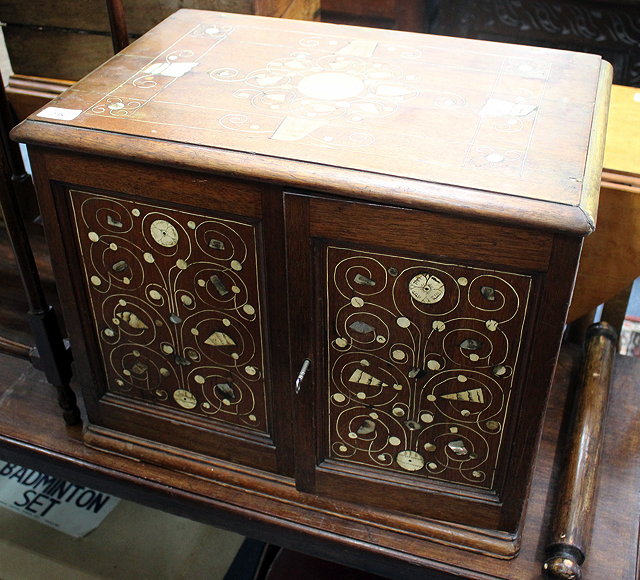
(70, 508)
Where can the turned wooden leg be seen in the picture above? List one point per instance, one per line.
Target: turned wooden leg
(51, 355)
(574, 511)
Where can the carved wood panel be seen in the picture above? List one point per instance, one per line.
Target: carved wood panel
(422, 358)
(176, 306)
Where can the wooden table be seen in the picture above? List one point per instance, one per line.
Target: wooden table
(610, 259)
(32, 434)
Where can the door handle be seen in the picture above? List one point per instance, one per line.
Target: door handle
(303, 371)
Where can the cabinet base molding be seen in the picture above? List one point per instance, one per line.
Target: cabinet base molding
(268, 496)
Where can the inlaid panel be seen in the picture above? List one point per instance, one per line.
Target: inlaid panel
(422, 357)
(176, 306)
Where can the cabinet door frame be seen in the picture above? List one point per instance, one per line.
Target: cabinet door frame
(314, 221)
(56, 173)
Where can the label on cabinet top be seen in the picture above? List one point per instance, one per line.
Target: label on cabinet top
(487, 116)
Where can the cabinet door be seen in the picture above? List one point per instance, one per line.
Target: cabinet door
(173, 304)
(416, 327)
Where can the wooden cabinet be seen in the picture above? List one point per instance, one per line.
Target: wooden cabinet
(324, 263)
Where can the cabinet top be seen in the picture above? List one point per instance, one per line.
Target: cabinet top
(509, 131)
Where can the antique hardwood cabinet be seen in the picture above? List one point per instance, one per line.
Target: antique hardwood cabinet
(331, 263)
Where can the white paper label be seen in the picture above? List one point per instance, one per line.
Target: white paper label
(70, 508)
(59, 113)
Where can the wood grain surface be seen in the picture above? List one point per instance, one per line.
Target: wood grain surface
(516, 122)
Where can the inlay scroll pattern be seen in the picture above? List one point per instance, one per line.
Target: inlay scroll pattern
(176, 306)
(421, 363)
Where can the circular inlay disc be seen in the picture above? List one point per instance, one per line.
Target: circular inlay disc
(403, 322)
(329, 86)
(148, 257)
(181, 264)
(398, 355)
(93, 236)
(96, 281)
(431, 398)
(191, 225)
(492, 325)
(339, 398)
(252, 418)
(185, 399)
(429, 447)
(341, 342)
(361, 395)
(426, 417)
(226, 322)
(398, 411)
(499, 370)
(426, 289)
(463, 281)
(433, 466)
(186, 300)
(199, 379)
(462, 378)
(155, 295)
(135, 212)
(410, 460)
(433, 365)
(248, 309)
(357, 302)
(237, 266)
(164, 233)
(251, 371)
(394, 441)
(438, 325)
